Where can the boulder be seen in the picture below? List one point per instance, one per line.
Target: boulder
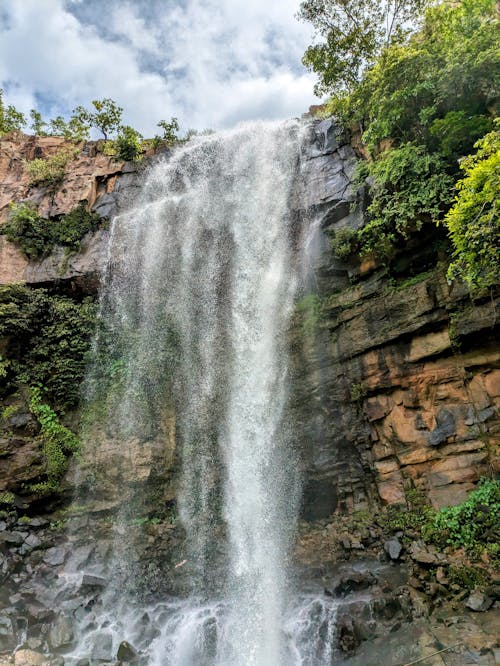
(127, 653)
(393, 548)
(479, 602)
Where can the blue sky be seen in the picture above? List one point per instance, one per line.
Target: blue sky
(211, 63)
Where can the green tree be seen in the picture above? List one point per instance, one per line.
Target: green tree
(74, 129)
(38, 125)
(106, 116)
(354, 32)
(473, 221)
(128, 143)
(170, 129)
(10, 118)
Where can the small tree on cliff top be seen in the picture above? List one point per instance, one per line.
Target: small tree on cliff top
(106, 117)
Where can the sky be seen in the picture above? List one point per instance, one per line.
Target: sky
(210, 63)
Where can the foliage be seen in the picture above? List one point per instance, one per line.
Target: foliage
(37, 236)
(38, 125)
(10, 118)
(473, 220)
(409, 187)
(355, 31)
(472, 525)
(170, 129)
(310, 310)
(6, 497)
(451, 64)
(48, 341)
(74, 129)
(128, 143)
(456, 133)
(407, 518)
(357, 392)
(50, 170)
(344, 242)
(58, 442)
(106, 116)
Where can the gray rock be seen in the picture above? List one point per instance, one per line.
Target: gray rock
(3, 525)
(54, 556)
(424, 555)
(127, 652)
(445, 427)
(91, 580)
(61, 632)
(393, 548)
(14, 538)
(478, 601)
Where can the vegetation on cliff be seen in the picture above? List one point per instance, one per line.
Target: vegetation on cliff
(47, 337)
(422, 99)
(37, 236)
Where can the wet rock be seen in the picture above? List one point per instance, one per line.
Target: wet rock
(30, 658)
(61, 632)
(479, 602)
(354, 581)
(91, 580)
(55, 556)
(127, 653)
(393, 548)
(7, 638)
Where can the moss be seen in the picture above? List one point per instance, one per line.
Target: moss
(7, 498)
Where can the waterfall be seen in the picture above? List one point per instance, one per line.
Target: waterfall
(192, 349)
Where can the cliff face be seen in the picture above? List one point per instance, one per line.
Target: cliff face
(395, 388)
(397, 385)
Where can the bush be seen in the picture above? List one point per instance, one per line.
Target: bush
(344, 243)
(50, 170)
(472, 525)
(37, 236)
(128, 143)
(58, 443)
(409, 188)
(48, 341)
(473, 221)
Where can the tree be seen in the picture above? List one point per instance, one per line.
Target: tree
(38, 125)
(10, 118)
(474, 220)
(170, 129)
(128, 143)
(106, 117)
(354, 34)
(74, 129)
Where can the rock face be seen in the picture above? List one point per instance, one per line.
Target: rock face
(99, 181)
(398, 387)
(395, 387)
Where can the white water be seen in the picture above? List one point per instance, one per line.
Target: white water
(196, 309)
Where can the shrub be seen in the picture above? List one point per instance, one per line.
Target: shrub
(344, 243)
(49, 337)
(473, 220)
(472, 525)
(50, 170)
(128, 143)
(58, 443)
(37, 236)
(410, 187)
(310, 310)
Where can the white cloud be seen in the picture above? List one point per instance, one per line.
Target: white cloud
(209, 63)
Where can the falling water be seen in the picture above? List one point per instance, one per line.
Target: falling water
(193, 330)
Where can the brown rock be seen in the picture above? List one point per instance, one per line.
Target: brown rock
(30, 658)
(428, 345)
